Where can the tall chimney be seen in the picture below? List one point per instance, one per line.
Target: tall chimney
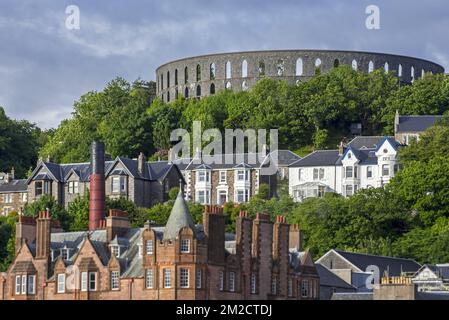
(141, 164)
(43, 233)
(97, 206)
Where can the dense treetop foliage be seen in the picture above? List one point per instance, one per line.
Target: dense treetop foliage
(407, 218)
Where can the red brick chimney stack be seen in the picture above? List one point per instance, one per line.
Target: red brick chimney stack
(97, 205)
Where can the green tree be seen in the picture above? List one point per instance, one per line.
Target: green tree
(57, 211)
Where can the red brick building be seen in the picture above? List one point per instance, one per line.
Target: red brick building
(262, 260)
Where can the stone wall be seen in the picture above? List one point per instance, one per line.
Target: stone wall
(282, 64)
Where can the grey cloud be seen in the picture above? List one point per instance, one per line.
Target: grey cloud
(45, 67)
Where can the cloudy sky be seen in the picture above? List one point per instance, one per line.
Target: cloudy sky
(45, 67)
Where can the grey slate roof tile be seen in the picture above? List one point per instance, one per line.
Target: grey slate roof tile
(416, 123)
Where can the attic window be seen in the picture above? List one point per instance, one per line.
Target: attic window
(65, 254)
(115, 250)
(349, 155)
(385, 150)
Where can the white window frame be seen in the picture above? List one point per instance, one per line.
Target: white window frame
(24, 283)
(369, 172)
(115, 250)
(24, 197)
(220, 193)
(185, 246)
(203, 176)
(84, 278)
(32, 284)
(18, 284)
(349, 172)
(73, 187)
(167, 278)
(305, 288)
(7, 198)
(386, 168)
(184, 282)
(203, 196)
(61, 283)
(223, 176)
(351, 193)
(232, 281)
(92, 281)
(115, 280)
(316, 174)
(149, 247)
(149, 279)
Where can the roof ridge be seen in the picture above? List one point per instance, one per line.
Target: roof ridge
(375, 255)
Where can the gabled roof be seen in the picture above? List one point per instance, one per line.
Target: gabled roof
(14, 186)
(330, 279)
(179, 218)
(416, 123)
(395, 144)
(365, 156)
(366, 142)
(394, 266)
(319, 158)
(285, 157)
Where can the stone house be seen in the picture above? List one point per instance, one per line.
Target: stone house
(181, 261)
(361, 164)
(410, 128)
(13, 193)
(356, 268)
(144, 183)
(233, 178)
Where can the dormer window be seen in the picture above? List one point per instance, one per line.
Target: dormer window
(349, 155)
(65, 254)
(385, 150)
(185, 246)
(115, 251)
(203, 176)
(149, 247)
(73, 187)
(118, 184)
(243, 175)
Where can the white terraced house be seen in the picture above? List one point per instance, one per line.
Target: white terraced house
(365, 162)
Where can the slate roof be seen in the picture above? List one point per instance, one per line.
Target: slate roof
(179, 218)
(319, 158)
(416, 123)
(366, 142)
(229, 161)
(330, 279)
(14, 186)
(394, 266)
(61, 172)
(285, 157)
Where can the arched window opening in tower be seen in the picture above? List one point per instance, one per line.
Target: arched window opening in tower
(198, 73)
(244, 69)
(318, 64)
(228, 70)
(370, 67)
(213, 71)
(261, 68)
(280, 68)
(299, 67)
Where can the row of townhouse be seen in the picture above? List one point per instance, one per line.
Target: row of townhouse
(144, 183)
(365, 162)
(179, 261)
(234, 177)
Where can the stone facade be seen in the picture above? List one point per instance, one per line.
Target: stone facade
(261, 261)
(66, 182)
(13, 193)
(241, 70)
